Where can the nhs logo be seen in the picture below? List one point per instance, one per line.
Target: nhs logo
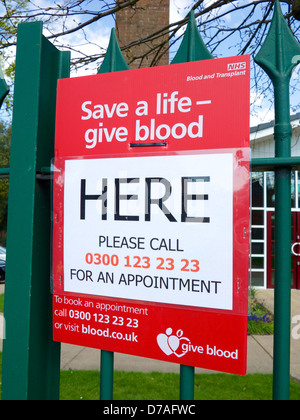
(236, 66)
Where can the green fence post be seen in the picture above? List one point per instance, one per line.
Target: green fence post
(31, 360)
(192, 48)
(106, 375)
(113, 61)
(187, 382)
(278, 56)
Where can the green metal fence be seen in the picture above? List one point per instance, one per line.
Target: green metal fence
(31, 360)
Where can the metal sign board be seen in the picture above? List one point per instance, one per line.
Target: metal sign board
(151, 213)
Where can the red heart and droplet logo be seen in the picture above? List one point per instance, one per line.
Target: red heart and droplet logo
(170, 343)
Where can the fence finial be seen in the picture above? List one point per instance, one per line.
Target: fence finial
(278, 56)
(114, 60)
(192, 47)
(3, 87)
(280, 52)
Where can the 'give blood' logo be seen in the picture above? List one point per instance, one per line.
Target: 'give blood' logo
(172, 344)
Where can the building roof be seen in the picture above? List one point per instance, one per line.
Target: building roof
(269, 124)
(266, 129)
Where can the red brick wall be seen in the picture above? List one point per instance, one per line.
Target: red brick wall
(134, 23)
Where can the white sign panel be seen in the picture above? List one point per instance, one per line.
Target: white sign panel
(156, 228)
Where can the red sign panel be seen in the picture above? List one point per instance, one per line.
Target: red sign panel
(151, 213)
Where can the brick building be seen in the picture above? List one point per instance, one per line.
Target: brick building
(144, 19)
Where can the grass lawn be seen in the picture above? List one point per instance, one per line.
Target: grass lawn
(84, 385)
